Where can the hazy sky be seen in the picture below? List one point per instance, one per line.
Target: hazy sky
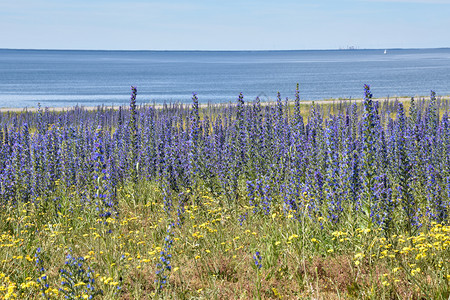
(223, 25)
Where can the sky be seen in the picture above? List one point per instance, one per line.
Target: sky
(224, 24)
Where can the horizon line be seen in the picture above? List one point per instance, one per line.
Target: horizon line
(221, 50)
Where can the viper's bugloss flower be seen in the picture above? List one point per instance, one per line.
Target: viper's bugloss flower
(257, 259)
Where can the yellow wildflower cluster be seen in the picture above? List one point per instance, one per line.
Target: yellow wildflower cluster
(423, 254)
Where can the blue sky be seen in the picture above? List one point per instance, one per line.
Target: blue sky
(223, 25)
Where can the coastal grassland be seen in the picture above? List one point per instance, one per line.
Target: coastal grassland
(278, 201)
(212, 253)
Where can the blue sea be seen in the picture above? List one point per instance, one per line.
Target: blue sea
(61, 78)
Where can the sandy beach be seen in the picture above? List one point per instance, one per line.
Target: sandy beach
(203, 105)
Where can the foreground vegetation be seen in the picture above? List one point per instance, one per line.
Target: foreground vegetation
(243, 201)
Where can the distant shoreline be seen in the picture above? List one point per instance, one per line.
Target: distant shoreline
(204, 105)
(220, 50)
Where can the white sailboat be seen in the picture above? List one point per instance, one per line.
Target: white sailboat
(385, 51)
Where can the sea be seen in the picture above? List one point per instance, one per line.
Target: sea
(65, 78)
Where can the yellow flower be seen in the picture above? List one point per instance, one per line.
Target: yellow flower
(415, 271)
(293, 237)
(276, 293)
(359, 255)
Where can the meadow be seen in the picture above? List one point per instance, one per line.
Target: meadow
(240, 201)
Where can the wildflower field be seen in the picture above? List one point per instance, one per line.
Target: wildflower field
(239, 201)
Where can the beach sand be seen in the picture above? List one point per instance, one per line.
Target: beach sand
(204, 105)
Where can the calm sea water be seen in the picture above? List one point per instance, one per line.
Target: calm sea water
(67, 78)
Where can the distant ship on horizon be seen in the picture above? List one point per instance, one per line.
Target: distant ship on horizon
(385, 51)
(349, 48)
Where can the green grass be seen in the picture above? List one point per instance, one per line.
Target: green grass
(212, 254)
